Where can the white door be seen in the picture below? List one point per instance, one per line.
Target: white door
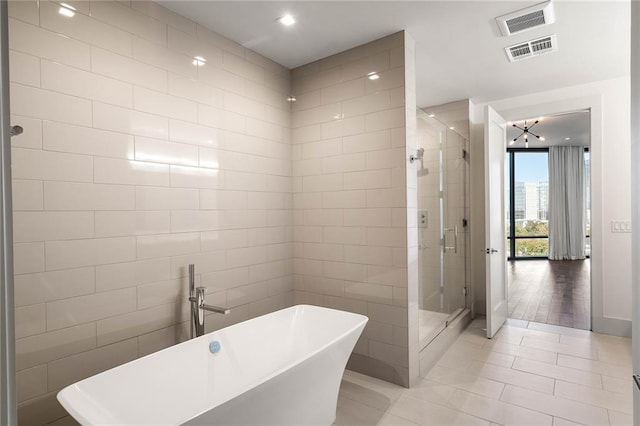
(495, 144)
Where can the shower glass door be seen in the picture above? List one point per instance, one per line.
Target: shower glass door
(443, 237)
(455, 236)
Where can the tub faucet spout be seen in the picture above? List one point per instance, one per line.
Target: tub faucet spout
(198, 307)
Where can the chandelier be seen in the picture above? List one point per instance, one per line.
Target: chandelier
(526, 131)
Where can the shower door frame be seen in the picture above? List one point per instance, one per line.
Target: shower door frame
(463, 151)
(444, 239)
(8, 403)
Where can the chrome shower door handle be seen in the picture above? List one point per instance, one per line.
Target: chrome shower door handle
(454, 247)
(455, 239)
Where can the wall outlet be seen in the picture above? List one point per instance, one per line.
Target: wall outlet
(620, 226)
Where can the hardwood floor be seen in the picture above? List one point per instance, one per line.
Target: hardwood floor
(550, 292)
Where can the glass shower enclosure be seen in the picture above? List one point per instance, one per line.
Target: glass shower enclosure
(443, 233)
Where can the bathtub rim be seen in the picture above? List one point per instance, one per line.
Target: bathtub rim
(63, 397)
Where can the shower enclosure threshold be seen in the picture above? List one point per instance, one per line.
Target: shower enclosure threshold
(447, 327)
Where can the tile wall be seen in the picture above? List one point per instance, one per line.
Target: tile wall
(350, 196)
(135, 162)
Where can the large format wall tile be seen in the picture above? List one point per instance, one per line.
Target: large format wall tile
(134, 163)
(46, 44)
(350, 197)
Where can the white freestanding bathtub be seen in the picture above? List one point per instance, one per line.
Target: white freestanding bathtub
(283, 368)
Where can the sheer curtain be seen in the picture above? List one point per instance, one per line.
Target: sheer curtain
(566, 203)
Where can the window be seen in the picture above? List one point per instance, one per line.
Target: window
(528, 216)
(587, 197)
(527, 189)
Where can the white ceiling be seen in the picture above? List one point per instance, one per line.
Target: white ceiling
(459, 50)
(554, 129)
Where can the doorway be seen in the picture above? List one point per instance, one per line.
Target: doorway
(550, 285)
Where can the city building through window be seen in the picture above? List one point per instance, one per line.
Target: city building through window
(527, 190)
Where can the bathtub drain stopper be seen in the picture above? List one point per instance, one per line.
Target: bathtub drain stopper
(214, 347)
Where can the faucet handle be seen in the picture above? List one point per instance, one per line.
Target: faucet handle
(204, 307)
(200, 294)
(199, 302)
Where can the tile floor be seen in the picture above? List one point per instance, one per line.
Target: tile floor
(529, 374)
(550, 292)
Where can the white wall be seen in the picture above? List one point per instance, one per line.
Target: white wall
(610, 174)
(133, 164)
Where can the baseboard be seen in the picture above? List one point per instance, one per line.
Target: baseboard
(613, 326)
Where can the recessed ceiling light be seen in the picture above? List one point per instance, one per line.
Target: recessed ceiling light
(431, 115)
(542, 138)
(567, 139)
(452, 128)
(291, 99)
(67, 10)
(199, 61)
(373, 75)
(287, 20)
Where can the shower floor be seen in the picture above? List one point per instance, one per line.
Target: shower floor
(431, 323)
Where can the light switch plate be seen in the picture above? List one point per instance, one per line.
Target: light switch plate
(620, 226)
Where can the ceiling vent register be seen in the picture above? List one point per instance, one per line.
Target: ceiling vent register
(525, 19)
(532, 48)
